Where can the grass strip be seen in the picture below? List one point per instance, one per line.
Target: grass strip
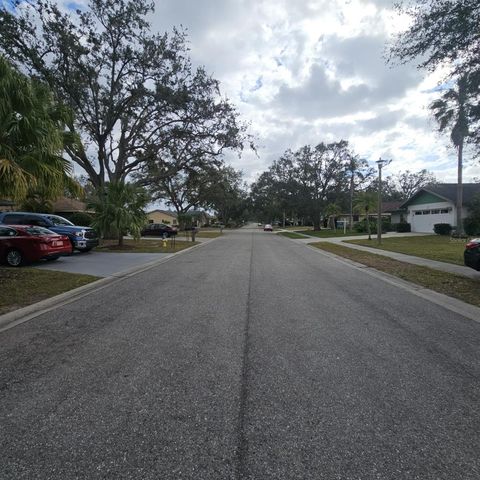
(20, 287)
(290, 235)
(330, 233)
(208, 234)
(433, 247)
(463, 288)
(145, 246)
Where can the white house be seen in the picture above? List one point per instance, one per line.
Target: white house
(437, 204)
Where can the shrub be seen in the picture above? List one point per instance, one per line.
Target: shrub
(361, 227)
(81, 218)
(442, 228)
(471, 225)
(403, 227)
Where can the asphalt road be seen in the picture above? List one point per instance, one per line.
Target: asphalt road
(252, 357)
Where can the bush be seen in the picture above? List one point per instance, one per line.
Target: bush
(471, 226)
(403, 227)
(442, 228)
(361, 227)
(81, 218)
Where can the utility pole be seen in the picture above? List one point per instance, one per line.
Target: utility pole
(380, 164)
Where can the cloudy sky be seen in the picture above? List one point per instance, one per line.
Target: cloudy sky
(305, 71)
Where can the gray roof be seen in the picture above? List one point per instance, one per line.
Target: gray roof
(448, 191)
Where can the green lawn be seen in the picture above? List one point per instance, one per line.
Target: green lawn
(23, 286)
(457, 286)
(207, 234)
(328, 233)
(290, 235)
(145, 246)
(433, 247)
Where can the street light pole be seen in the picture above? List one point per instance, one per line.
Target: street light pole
(380, 164)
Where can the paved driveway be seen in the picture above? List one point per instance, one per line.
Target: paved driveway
(101, 264)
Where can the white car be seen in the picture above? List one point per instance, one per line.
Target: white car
(268, 228)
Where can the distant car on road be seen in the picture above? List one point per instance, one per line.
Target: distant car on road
(20, 244)
(159, 230)
(82, 239)
(268, 228)
(471, 255)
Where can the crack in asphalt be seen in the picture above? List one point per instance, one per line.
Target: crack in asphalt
(242, 438)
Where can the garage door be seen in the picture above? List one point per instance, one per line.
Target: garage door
(424, 220)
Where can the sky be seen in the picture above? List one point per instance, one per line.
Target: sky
(306, 71)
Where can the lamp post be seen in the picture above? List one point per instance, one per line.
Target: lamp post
(380, 164)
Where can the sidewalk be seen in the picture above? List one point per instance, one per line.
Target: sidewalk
(425, 262)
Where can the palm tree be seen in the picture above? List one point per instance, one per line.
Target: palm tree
(453, 110)
(365, 202)
(31, 137)
(120, 208)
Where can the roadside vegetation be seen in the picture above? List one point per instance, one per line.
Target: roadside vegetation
(208, 234)
(291, 235)
(457, 286)
(145, 246)
(331, 233)
(433, 247)
(30, 285)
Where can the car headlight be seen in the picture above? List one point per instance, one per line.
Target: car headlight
(80, 234)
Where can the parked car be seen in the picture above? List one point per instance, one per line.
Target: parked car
(471, 255)
(159, 230)
(268, 228)
(82, 239)
(20, 244)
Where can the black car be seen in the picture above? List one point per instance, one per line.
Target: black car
(471, 255)
(158, 230)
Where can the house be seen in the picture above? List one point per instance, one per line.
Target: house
(390, 210)
(66, 206)
(200, 218)
(6, 205)
(162, 216)
(395, 211)
(437, 204)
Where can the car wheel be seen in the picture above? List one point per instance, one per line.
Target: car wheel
(84, 250)
(14, 258)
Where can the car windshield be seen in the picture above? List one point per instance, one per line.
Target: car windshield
(57, 220)
(39, 231)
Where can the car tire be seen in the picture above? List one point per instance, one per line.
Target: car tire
(14, 258)
(84, 250)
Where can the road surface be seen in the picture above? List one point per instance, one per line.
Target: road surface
(252, 357)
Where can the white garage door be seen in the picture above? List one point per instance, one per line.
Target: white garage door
(424, 220)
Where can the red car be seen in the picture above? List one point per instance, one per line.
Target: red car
(24, 243)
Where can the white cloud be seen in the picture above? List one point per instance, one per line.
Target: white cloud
(306, 71)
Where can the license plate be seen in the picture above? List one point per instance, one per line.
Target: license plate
(58, 243)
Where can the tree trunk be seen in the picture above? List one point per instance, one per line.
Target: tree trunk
(460, 188)
(368, 225)
(120, 239)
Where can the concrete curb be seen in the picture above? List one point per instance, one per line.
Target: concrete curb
(22, 315)
(453, 304)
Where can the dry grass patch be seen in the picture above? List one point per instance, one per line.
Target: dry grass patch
(463, 288)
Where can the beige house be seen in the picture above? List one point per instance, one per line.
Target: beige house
(162, 216)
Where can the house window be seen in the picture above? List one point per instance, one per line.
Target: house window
(426, 212)
(418, 212)
(150, 221)
(436, 211)
(444, 210)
